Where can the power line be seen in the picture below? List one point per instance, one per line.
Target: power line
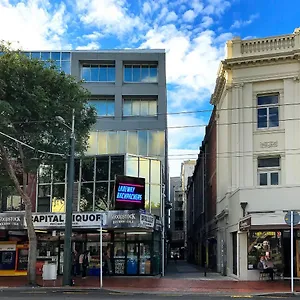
(30, 147)
(168, 113)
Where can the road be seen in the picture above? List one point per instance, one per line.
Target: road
(104, 295)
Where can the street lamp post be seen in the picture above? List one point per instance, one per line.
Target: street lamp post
(69, 204)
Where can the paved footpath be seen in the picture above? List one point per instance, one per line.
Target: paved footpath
(182, 278)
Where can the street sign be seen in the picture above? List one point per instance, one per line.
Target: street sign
(288, 219)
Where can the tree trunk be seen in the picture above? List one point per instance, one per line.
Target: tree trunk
(31, 270)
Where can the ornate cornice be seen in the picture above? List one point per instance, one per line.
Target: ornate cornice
(271, 58)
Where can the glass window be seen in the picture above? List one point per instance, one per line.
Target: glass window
(155, 196)
(102, 167)
(135, 107)
(66, 67)
(104, 107)
(87, 169)
(102, 142)
(263, 179)
(265, 243)
(122, 141)
(262, 117)
(127, 108)
(267, 111)
(268, 171)
(86, 197)
(144, 108)
(92, 144)
(132, 142)
(153, 74)
(58, 192)
(155, 170)
(55, 55)
(111, 73)
(66, 56)
(36, 55)
(112, 142)
(140, 73)
(156, 143)
(103, 73)
(45, 174)
(128, 73)
(143, 147)
(59, 172)
(144, 169)
(273, 117)
(94, 73)
(99, 73)
(132, 166)
(116, 166)
(145, 74)
(136, 73)
(110, 107)
(101, 196)
(45, 56)
(152, 108)
(147, 196)
(85, 73)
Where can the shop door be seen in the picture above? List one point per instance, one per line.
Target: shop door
(145, 258)
(234, 253)
(132, 264)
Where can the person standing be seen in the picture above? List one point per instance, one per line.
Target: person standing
(85, 264)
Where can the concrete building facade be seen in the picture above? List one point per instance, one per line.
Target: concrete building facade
(258, 119)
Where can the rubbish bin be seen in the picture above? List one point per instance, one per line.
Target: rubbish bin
(49, 272)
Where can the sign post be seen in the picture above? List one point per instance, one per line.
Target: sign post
(292, 218)
(101, 243)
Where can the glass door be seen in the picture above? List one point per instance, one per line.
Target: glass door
(145, 258)
(132, 258)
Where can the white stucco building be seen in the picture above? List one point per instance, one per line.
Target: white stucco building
(257, 96)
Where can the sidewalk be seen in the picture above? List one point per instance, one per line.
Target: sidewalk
(182, 278)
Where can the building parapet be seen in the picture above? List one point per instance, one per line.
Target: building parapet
(261, 46)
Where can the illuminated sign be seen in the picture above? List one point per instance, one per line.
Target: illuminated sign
(129, 192)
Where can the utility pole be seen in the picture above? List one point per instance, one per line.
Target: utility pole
(69, 208)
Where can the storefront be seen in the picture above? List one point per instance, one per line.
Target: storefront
(131, 242)
(271, 241)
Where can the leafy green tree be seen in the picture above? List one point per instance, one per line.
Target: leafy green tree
(32, 95)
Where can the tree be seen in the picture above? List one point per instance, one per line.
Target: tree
(32, 95)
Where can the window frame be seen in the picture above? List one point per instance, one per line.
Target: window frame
(107, 100)
(269, 171)
(90, 66)
(267, 107)
(141, 66)
(140, 100)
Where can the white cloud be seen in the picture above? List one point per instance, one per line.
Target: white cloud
(206, 22)
(197, 6)
(34, 24)
(190, 62)
(146, 8)
(171, 17)
(241, 23)
(90, 46)
(189, 16)
(217, 7)
(93, 36)
(112, 16)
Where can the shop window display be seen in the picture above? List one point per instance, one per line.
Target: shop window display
(267, 244)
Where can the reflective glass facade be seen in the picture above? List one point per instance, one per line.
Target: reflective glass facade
(94, 182)
(98, 72)
(140, 73)
(105, 107)
(141, 142)
(62, 60)
(139, 107)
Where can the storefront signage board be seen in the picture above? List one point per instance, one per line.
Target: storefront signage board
(57, 220)
(129, 192)
(147, 220)
(10, 221)
(245, 224)
(8, 247)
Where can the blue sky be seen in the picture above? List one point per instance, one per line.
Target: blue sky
(193, 32)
